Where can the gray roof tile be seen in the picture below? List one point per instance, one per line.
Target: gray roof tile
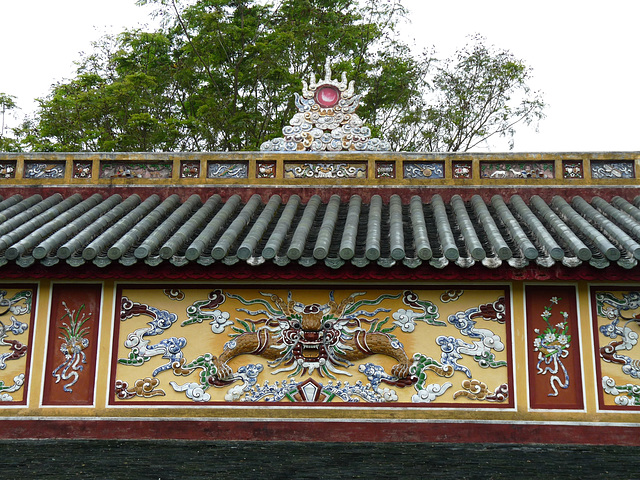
(424, 231)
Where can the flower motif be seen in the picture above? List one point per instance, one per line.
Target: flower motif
(549, 337)
(563, 339)
(537, 342)
(560, 326)
(554, 300)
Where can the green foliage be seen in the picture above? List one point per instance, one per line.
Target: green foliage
(7, 104)
(220, 75)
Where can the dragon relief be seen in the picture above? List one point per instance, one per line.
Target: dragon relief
(300, 338)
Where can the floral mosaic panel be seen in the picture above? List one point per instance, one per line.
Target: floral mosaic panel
(135, 170)
(431, 170)
(385, 170)
(44, 170)
(73, 344)
(266, 169)
(616, 330)
(325, 170)
(16, 333)
(8, 170)
(572, 170)
(227, 170)
(539, 170)
(411, 347)
(607, 169)
(462, 170)
(555, 379)
(189, 169)
(82, 169)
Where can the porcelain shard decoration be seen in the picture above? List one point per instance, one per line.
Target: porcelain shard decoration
(326, 120)
(73, 335)
(244, 345)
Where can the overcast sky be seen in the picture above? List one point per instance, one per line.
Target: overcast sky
(585, 56)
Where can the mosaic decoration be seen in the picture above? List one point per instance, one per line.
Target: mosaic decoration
(227, 170)
(607, 169)
(552, 345)
(43, 170)
(325, 170)
(72, 346)
(15, 320)
(462, 170)
(8, 170)
(283, 346)
(266, 169)
(537, 170)
(430, 170)
(572, 170)
(385, 170)
(189, 169)
(135, 170)
(326, 120)
(617, 314)
(73, 334)
(555, 377)
(82, 169)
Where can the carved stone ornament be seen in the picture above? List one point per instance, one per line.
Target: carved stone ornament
(326, 120)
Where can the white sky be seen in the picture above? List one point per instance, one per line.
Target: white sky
(585, 56)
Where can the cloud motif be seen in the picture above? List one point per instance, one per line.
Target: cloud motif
(193, 391)
(430, 393)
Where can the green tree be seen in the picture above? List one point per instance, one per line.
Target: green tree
(221, 74)
(480, 93)
(7, 104)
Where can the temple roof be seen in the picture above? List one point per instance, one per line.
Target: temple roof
(417, 230)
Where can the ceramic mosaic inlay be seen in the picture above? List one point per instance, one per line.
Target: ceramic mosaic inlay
(385, 170)
(326, 120)
(240, 345)
(16, 321)
(72, 349)
(605, 169)
(325, 170)
(554, 349)
(82, 169)
(43, 170)
(517, 170)
(135, 170)
(462, 170)
(572, 170)
(189, 169)
(430, 170)
(616, 329)
(8, 170)
(227, 170)
(266, 169)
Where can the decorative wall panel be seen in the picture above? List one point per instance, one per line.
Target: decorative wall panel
(553, 348)
(16, 333)
(135, 170)
(430, 170)
(517, 170)
(325, 170)
(616, 313)
(422, 346)
(73, 344)
(44, 170)
(605, 169)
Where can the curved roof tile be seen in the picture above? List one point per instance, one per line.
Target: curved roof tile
(267, 229)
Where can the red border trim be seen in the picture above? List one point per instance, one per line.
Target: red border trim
(295, 272)
(321, 431)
